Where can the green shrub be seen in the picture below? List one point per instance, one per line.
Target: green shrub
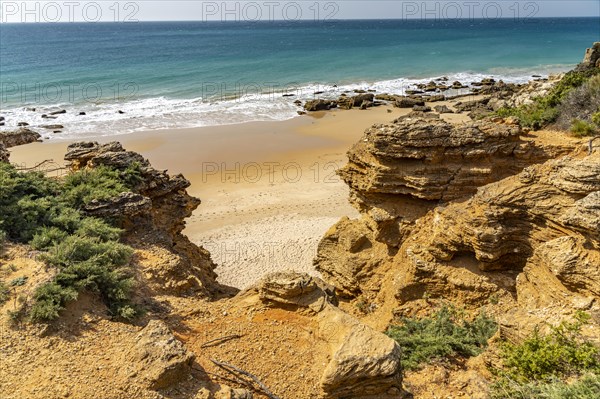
(45, 213)
(97, 228)
(562, 103)
(49, 300)
(534, 116)
(563, 352)
(581, 128)
(4, 293)
(442, 335)
(84, 186)
(47, 237)
(587, 387)
(596, 119)
(580, 104)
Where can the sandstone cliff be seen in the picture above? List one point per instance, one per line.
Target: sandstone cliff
(153, 217)
(399, 172)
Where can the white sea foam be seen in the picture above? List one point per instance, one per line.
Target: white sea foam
(166, 113)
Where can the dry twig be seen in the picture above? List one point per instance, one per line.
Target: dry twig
(233, 370)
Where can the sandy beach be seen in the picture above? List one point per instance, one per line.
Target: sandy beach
(269, 190)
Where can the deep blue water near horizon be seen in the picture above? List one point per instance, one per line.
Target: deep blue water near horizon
(186, 70)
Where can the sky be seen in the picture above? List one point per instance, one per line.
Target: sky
(269, 10)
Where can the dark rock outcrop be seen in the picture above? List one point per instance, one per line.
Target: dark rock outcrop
(408, 102)
(18, 137)
(319, 105)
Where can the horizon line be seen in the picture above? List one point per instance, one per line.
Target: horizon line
(300, 20)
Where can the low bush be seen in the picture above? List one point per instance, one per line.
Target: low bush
(541, 365)
(587, 387)
(581, 104)
(562, 104)
(446, 333)
(581, 128)
(4, 292)
(100, 183)
(563, 352)
(85, 251)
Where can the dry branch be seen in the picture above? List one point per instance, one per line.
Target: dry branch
(233, 370)
(220, 340)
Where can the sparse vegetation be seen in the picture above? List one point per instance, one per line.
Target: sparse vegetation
(46, 213)
(587, 387)
(562, 103)
(446, 333)
(581, 128)
(4, 293)
(541, 365)
(580, 106)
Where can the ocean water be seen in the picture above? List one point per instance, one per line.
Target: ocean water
(186, 74)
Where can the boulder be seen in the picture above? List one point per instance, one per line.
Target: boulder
(345, 102)
(386, 97)
(52, 127)
(366, 104)
(319, 105)
(358, 100)
(62, 111)
(22, 124)
(367, 363)
(422, 108)
(158, 359)
(124, 205)
(362, 362)
(443, 109)
(18, 137)
(408, 102)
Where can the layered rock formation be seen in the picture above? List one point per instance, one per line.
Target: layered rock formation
(540, 226)
(153, 217)
(398, 172)
(591, 58)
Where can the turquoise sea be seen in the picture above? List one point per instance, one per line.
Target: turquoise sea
(184, 74)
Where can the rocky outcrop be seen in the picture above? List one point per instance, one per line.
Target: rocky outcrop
(319, 105)
(363, 362)
(399, 172)
(18, 137)
(408, 102)
(158, 359)
(540, 227)
(592, 58)
(433, 160)
(153, 217)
